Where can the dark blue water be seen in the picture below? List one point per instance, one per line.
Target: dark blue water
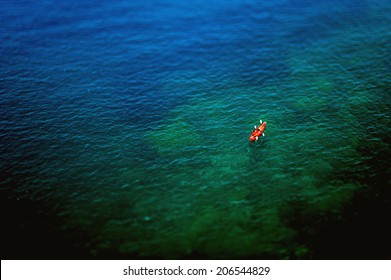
(124, 129)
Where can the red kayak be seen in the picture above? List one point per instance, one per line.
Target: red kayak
(257, 132)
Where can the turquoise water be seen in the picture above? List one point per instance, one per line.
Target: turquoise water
(124, 129)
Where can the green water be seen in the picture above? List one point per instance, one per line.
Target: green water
(207, 192)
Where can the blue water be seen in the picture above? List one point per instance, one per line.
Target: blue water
(125, 124)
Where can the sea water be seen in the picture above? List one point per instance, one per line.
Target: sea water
(125, 125)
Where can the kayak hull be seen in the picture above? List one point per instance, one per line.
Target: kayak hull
(257, 132)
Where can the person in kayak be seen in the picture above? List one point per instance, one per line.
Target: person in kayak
(258, 131)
